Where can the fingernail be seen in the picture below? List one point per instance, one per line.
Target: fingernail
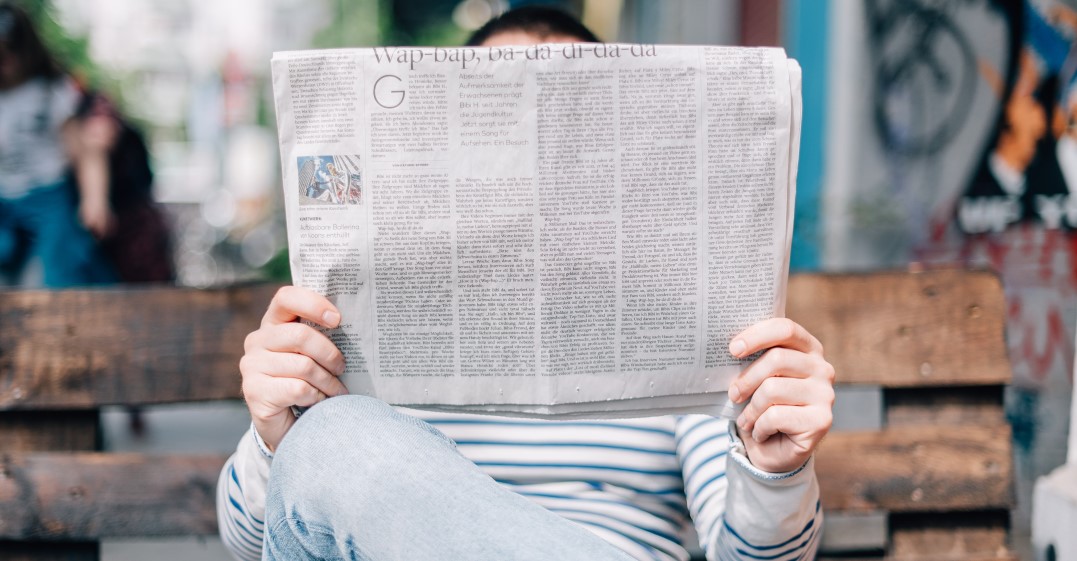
(736, 348)
(734, 393)
(330, 318)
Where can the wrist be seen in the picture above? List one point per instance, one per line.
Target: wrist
(263, 448)
(271, 430)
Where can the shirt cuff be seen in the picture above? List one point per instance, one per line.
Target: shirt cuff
(261, 444)
(740, 456)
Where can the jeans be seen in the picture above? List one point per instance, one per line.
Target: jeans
(44, 224)
(354, 479)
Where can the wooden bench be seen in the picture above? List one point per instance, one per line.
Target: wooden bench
(930, 478)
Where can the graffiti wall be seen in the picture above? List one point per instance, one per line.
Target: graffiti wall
(966, 117)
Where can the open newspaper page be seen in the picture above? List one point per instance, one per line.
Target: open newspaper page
(560, 230)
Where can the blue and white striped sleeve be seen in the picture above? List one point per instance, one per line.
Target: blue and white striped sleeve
(741, 512)
(241, 495)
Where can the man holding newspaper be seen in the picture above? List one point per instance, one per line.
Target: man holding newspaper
(357, 479)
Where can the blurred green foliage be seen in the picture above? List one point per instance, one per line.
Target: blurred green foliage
(365, 23)
(278, 269)
(72, 52)
(354, 23)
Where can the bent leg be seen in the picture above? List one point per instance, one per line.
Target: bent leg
(355, 479)
(69, 254)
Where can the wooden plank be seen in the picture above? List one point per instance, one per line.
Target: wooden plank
(900, 329)
(42, 431)
(78, 349)
(49, 551)
(977, 405)
(955, 535)
(90, 496)
(924, 468)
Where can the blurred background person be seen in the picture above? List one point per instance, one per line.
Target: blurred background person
(39, 140)
(137, 242)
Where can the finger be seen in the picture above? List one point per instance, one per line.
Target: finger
(804, 425)
(292, 366)
(268, 397)
(774, 332)
(782, 362)
(292, 302)
(297, 338)
(784, 391)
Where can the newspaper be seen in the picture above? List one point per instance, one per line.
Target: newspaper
(558, 230)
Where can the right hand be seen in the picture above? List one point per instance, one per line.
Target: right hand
(288, 363)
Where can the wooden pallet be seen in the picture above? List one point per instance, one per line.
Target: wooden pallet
(938, 471)
(935, 481)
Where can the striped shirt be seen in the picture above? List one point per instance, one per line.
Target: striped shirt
(650, 486)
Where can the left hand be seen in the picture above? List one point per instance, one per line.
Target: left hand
(791, 393)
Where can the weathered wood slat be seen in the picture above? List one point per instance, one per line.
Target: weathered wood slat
(90, 496)
(167, 345)
(42, 431)
(974, 535)
(49, 551)
(917, 468)
(77, 349)
(940, 328)
(955, 407)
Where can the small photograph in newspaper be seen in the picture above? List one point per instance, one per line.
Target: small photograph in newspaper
(329, 180)
(555, 230)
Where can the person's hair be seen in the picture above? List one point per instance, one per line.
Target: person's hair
(541, 21)
(18, 35)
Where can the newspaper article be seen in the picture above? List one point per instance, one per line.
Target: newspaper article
(551, 230)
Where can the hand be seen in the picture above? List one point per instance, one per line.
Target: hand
(791, 388)
(98, 133)
(288, 363)
(97, 217)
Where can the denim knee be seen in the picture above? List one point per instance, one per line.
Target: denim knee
(357, 435)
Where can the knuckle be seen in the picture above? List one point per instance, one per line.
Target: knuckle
(829, 396)
(252, 396)
(336, 356)
(827, 420)
(765, 392)
(750, 410)
(778, 357)
(787, 329)
(828, 372)
(295, 389)
(298, 335)
(770, 357)
(308, 368)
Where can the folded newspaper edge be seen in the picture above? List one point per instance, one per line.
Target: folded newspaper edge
(558, 231)
(715, 404)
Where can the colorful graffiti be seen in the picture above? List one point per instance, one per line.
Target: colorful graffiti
(972, 162)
